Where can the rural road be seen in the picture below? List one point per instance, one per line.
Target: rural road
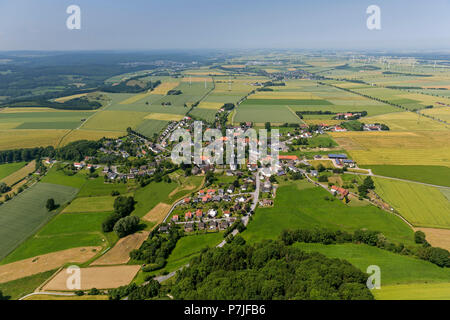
(398, 179)
(49, 294)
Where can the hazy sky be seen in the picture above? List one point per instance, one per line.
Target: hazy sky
(197, 24)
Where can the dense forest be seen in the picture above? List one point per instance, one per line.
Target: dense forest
(74, 151)
(268, 270)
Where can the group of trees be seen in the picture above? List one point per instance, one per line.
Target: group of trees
(268, 270)
(51, 204)
(74, 151)
(150, 290)
(4, 188)
(132, 85)
(78, 150)
(25, 154)
(367, 185)
(82, 103)
(155, 250)
(438, 256)
(120, 221)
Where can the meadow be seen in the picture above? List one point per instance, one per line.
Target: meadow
(437, 175)
(21, 287)
(407, 121)
(10, 168)
(302, 205)
(396, 148)
(395, 268)
(414, 291)
(26, 213)
(189, 247)
(97, 187)
(150, 127)
(421, 205)
(55, 176)
(91, 204)
(152, 194)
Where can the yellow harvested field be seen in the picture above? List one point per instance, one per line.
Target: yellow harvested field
(197, 79)
(46, 262)
(437, 237)
(165, 87)
(82, 134)
(164, 116)
(30, 138)
(271, 70)
(120, 253)
(205, 73)
(136, 98)
(233, 66)
(322, 121)
(9, 125)
(442, 113)
(95, 277)
(407, 121)
(158, 213)
(424, 98)
(20, 174)
(67, 98)
(397, 148)
(284, 95)
(210, 105)
(110, 120)
(30, 109)
(49, 297)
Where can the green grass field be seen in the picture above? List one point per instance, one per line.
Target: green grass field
(395, 268)
(301, 205)
(151, 195)
(438, 175)
(72, 223)
(21, 287)
(10, 168)
(49, 125)
(98, 187)
(190, 246)
(149, 127)
(55, 176)
(414, 291)
(22, 216)
(421, 205)
(47, 244)
(91, 204)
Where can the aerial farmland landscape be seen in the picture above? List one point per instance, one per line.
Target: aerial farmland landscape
(104, 196)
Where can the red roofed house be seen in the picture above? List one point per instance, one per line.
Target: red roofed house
(188, 215)
(342, 192)
(175, 218)
(199, 213)
(187, 200)
(287, 157)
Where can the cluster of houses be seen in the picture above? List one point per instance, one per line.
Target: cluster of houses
(145, 170)
(372, 127)
(209, 225)
(348, 116)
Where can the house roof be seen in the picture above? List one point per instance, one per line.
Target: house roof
(287, 157)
